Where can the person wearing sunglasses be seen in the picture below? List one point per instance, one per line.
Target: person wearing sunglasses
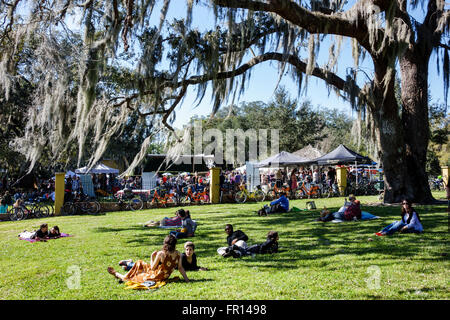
(410, 222)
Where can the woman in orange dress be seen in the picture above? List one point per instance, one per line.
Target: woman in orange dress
(160, 268)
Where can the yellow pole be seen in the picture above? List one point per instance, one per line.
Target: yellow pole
(59, 192)
(341, 175)
(214, 185)
(445, 173)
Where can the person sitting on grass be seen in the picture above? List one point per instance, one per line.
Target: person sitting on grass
(189, 258)
(269, 246)
(174, 221)
(410, 222)
(160, 268)
(41, 234)
(187, 226)
(280, 205)
(350, 211)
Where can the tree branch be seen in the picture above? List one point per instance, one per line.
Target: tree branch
(313, 22)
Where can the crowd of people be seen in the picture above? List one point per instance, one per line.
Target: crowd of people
(164, 261)
(105, 185)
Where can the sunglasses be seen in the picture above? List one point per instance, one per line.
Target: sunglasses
(406, 203)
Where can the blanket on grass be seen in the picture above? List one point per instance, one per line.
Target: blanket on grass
(148, 285)
(172, 227)
(26, 235)
(364, 216)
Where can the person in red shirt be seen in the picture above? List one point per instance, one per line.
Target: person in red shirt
(353, 210)
(350, 211)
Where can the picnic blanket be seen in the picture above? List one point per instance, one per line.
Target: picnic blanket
(148, 285)
(173, 227)
(364, 216)
(26, 235)
(168, 227)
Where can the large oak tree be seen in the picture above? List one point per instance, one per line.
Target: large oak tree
(285, 31)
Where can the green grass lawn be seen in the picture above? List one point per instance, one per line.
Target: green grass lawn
(317, 260)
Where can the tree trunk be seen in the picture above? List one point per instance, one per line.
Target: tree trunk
(414, 95)
(390, 139)
(389, 133)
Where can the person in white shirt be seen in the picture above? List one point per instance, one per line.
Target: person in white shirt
(410, 222)
(316, 176)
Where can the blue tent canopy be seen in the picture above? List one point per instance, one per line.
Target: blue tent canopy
(342, 155)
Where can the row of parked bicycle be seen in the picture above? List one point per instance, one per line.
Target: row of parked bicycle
(160, 196)
(29, 209)
(306, 190)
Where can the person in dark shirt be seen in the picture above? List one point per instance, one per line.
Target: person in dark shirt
(234, 236)
(189, 258)
(236, 241)
(54, 232)
(42, 233)
(269, 246)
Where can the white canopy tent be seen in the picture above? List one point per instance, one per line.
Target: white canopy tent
(99, 168)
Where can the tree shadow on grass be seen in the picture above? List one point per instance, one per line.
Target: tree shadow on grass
(108, 229)
(439, 290)
(347, 238)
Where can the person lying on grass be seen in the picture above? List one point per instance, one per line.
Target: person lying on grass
(350, 211)
(160, 268)
(187, 226)
(235, 238)
(269, 246)
(410, 222)
(54, 232)
(189, 258)
(174, 221)
(41, 234)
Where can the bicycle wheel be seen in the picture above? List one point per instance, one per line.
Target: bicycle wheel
(98, 206)
(272, 194)
(50, 209)
(68, 209)
(91, 207)
(259, 195)
(240, 197)
(42, 211)
(16, 214)
(136, 204)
